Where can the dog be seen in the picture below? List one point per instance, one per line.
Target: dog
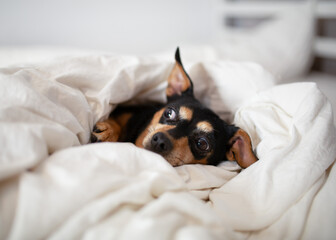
(183, 131)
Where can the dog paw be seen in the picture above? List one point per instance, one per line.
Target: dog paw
(107, 131)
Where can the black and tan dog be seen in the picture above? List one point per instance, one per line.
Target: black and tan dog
(183, 131)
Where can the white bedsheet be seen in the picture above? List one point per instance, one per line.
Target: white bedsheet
(54, 186)
(327, 84)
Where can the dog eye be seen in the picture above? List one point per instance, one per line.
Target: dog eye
(170, 114)
(202, 144)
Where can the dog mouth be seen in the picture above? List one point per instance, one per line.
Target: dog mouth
(175, 152)
(161, 144)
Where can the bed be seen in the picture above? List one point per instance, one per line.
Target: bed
(54, 185)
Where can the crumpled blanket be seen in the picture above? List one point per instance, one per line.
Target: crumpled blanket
(53, 185)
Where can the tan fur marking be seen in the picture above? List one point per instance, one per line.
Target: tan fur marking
(185, 113)
(241, 150)
(146, 136)
(205, 126)
(149, 130)
(178, 81)
(181, 153)
(202, 161)
(122, 121)
(140, 140)
(110, 131)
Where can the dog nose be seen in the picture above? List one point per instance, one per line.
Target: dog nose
(161, 143)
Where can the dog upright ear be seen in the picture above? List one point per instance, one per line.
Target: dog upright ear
(241, 149)
(179, 83)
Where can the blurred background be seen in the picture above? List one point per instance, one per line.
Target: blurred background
(151, 26)
(128, 26)
(295, 40)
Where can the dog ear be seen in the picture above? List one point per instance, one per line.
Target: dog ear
(179, 82)
(241, 149)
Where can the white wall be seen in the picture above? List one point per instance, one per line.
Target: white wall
(128, 26)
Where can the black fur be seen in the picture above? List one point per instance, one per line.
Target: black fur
(219, 138)
(141, 117)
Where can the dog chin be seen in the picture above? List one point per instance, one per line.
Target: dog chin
(168, 156)
(171, 157)
(174, 161)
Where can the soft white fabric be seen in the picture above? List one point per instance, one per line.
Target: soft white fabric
(327, 84)
(54, 186)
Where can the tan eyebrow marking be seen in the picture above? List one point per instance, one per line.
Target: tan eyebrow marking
(205, 126)
(185, 113)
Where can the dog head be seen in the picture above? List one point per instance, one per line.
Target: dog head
(186, 132)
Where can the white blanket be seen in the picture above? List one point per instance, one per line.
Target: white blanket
(56, 186)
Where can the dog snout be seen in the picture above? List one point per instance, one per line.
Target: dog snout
(160, 143)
